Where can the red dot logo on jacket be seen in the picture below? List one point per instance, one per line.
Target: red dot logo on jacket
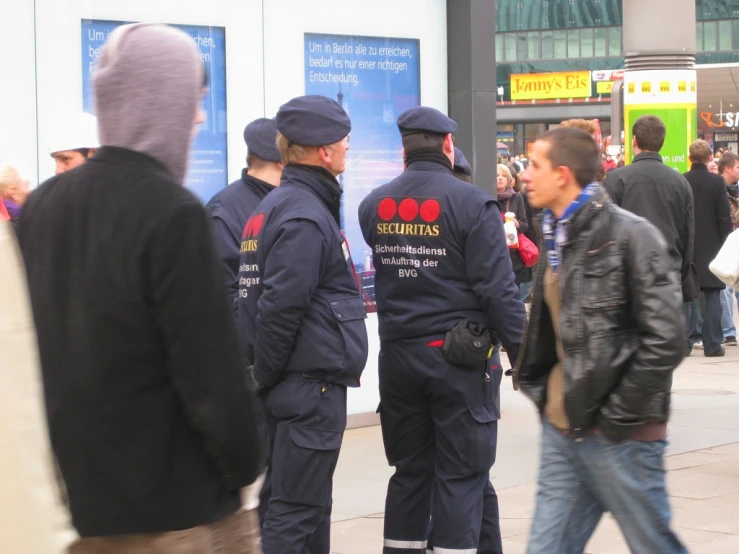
(253, 226)
(252, 229)
(409, 216)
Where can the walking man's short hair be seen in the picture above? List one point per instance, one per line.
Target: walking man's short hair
(700, 152)
(576, 149)
(649, 131)
(727, 161)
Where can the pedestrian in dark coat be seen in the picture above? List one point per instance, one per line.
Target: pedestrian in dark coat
(149, 413)
(712, 226)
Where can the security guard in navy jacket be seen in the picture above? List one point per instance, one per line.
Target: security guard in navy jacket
(446, 297)
(462, 169)
(301, 318)
(230, 208)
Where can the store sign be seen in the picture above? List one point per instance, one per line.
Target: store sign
(616, 75)
(725, 137)
(604, 87)
(541, 86)
(721, 119)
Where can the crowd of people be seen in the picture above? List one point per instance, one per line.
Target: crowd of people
(182, 370)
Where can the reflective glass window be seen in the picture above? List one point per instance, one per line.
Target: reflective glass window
(560, 44)
(614, 41)
(600, 42)
(724, 35)
(573, 43)
(586, 43)
(709, 36)
(522, 50)
(547, 45)
(510, 46)
(534, 40)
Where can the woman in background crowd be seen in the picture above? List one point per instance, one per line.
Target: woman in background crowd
(526, 273)
(13, 190)
(512, 201)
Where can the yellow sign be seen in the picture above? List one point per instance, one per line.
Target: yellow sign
(632, 88)
(682, 86)
(604, 87)
(692, 86)
(541, 86)
(646, 86)
(664, 86)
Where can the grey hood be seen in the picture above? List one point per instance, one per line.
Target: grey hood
(147, 86)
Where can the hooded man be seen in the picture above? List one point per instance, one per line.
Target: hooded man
(149, 413)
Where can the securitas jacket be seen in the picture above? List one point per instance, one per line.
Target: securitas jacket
(228, 212)
(620, 323)
(300, 311)
(440, 256)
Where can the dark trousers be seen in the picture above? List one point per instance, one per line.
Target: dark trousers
(439, 427)
(711, 311)
(305, 425)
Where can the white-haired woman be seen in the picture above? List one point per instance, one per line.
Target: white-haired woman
(512, 201)
(13, 190)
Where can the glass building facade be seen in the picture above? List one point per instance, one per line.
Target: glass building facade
(551, 36)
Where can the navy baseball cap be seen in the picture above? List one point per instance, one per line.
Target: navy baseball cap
(460, 162)
(425, 120)
(313, 121)
(260, 137)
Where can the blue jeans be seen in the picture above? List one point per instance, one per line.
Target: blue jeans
(727, 312)
(524, 290)
(581, 480)
(695, 321)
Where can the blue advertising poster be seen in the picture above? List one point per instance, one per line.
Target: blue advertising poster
(375, 79)
(208, 167)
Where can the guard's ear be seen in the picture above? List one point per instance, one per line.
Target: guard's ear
(449, 144)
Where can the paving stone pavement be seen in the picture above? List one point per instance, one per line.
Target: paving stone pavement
(702, 463)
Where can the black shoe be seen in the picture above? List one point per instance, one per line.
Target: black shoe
(717, 354)
(730, 341)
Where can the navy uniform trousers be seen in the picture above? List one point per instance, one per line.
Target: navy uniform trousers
(439, 427)
(305, 423)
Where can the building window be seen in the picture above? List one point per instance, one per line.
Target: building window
(573, 43)
(534, 40)
(547, 45)
(699, 37)
(709, 36)
(614, 41)
(522, 51)
(586, 43)
(724, 36)
(510, 46)
(600, 42)
(560, 45)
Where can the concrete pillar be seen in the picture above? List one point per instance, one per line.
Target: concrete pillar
(660, 79)
(472, 84)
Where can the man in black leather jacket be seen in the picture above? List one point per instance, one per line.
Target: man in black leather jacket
(604, 336)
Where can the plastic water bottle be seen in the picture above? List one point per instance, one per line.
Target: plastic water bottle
(511, 233)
